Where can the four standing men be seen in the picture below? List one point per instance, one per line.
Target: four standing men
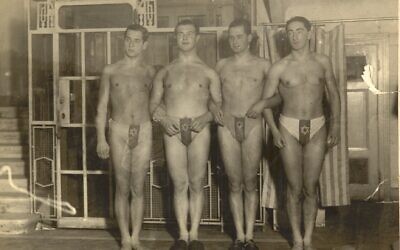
(181, 96)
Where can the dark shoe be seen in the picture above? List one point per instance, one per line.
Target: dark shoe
(237, 245)
(196, 245)
(180, 245)
(250, 245)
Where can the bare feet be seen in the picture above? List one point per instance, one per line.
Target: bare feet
(297, 245)
(309, 247)
(126, 245)
(137, 246)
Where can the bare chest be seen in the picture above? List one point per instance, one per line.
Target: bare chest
(297, 75)
(130, 84)
(242, 79)
(186, 80)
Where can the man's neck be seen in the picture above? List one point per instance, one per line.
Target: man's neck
(132, 61)
(301, 54)
(243, 56)
(188, 56)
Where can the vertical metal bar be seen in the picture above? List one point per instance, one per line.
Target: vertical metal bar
(30, 100)
(209, 188)
(56, 70)
(83, 109)
(53, 165)
(33, 171)
(151, 187)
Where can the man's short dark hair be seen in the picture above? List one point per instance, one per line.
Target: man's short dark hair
(301, 19)
(138, 27)
(241, 22)
(187, 22)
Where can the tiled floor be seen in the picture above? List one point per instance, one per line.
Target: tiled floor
(361, 226)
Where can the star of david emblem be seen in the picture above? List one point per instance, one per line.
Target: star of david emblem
(185, 127)
(305, 130)
(132, 131)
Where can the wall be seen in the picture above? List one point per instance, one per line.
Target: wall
(13, 53)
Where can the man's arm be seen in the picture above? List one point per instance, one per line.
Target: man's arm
(334, 102)
(214, 104)
(157, 110)
(264, 102)
(270, 89)
(104, 95)
(157, 90)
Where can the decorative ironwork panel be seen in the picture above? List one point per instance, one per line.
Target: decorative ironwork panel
(43, 171)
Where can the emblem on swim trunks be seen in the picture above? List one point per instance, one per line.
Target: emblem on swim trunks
(239, 128)
(185, 125)
(304, 131)
(133, 136)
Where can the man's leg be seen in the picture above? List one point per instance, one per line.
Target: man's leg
(120, 157)
(251, 156)
(292, 163)
(176, 155)
(198, 152)
(139, 167)
(231, 156)
(314, 153)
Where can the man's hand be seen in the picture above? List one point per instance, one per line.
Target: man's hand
(218, 116)
(255, 111)
(170, 126)
(201, 121)
(103, 150)
(279, 141)
(217, 113)
(333, 135)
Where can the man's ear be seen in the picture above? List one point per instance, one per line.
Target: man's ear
(145, 44)
(310, 32)
(249, 37)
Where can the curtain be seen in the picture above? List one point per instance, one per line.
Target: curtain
(334, 179)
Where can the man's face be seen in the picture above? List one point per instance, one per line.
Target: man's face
(133, 43)
(298, 35)
(186, 37)
(238, 39)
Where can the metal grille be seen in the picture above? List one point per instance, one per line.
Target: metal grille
(43, 172)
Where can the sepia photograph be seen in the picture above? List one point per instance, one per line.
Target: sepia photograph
(199, 124)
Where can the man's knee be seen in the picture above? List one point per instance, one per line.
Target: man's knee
(250, 185)
(310, 190)
(295, 191)
(122, 189)
(235, 186)
(181, 186)
(196, 185)
(137, 191)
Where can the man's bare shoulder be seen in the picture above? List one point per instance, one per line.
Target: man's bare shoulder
(150, 69)
(111, 68)
(264, 63)
(204, 68)
(280, 66)
(221, 64)
(323, 59)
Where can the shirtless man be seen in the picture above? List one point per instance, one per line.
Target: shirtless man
(301, 78)
(183, 89)
(127, 84)
(243, 77)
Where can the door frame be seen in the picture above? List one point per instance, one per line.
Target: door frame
(381, 40)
